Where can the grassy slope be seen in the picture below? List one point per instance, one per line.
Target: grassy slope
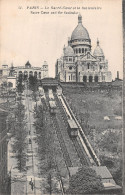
(97, 105)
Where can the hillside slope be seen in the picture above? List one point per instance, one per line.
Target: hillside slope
(100, 115)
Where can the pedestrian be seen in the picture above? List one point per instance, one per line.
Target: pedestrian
(30, 181)
(32, 186)
(29, 141)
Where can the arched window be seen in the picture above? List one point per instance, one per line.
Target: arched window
(20, 75)
(70, 67)
(76, 50)
(25, 74)
(40, 75)
(35, 74)
(30, 73)
(82, 50)
(79, 50)
(90, 79)
(20, 72)
(85, 79)
(85, 50)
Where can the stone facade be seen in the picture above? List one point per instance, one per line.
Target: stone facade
(78, 64)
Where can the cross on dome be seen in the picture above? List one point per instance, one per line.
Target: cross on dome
(97, 42)
(79, 19)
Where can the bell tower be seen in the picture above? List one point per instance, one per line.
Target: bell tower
(45, 69)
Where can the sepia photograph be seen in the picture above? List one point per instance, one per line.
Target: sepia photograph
(61, 97)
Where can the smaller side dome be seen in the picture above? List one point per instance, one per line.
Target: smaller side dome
(68, 51)
(98, 52)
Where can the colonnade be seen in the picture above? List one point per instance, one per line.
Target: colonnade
(28, 73)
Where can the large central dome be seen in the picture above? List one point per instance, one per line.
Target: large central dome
(80, 31)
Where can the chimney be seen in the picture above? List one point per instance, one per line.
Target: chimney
(117, 74)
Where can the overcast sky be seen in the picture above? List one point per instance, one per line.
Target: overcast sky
(38, 37)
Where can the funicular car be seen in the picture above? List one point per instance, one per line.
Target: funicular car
(51, 97)
(50, 92)
(41, 91)
(52, 106)
(72, 128)
(59, 91)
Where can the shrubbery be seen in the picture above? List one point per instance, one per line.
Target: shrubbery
(85, 181)
(110, 141)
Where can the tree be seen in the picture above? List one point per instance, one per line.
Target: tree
(110, 141)
(38, 115)
(46, 149)
(33, 83)
(19, 134)
(117, 174)
(85, 181)
(20, 86)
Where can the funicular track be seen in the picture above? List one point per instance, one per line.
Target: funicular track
(62, 143)
(80, 151)
(60, 137)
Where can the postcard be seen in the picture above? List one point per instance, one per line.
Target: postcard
(61, 94)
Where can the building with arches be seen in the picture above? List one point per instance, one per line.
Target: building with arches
(78, 63)
(27, 70)
(10, 74)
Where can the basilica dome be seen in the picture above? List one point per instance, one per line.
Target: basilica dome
(68, 51)
(98, 52)
(80, 32)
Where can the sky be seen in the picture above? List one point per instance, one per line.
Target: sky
(41, 36)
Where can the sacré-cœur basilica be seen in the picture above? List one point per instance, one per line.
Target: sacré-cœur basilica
(78, 64)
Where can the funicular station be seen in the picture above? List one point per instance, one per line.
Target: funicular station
(49, 83)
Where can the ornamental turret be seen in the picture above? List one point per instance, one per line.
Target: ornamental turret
(98, 52)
